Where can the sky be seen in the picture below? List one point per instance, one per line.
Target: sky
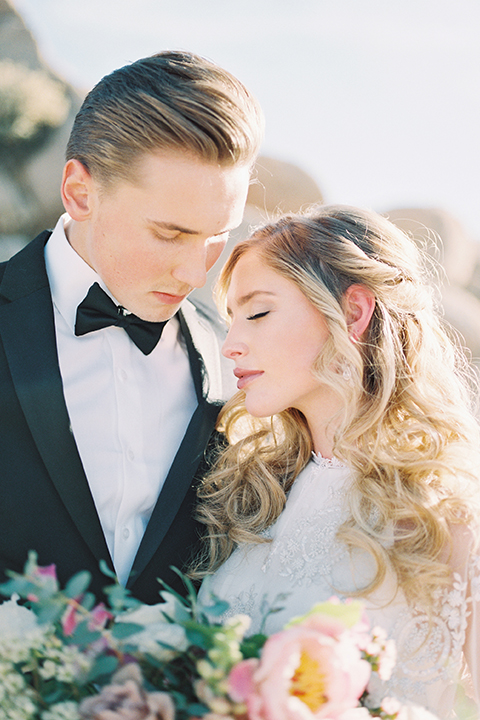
(378, 100)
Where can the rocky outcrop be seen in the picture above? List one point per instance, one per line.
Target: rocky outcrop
(32, 135)
(458, 256)
(30, 175)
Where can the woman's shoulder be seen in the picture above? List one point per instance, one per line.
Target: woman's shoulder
(462, 555)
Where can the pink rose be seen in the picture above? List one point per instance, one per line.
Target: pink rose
(43, 576)
(303, 673)
(72, 616)
(99, 617)
(47, 571)
(70, 619)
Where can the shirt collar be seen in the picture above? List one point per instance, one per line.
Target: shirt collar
(69, 275)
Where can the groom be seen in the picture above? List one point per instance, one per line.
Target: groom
(104, 418)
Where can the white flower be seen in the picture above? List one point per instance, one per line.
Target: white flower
(157, 630)
(62, 711)
(415, 712)
(16, 698)
(387, 660)
(359, 713)
(15, 620)
(390, 705)
(240, 624)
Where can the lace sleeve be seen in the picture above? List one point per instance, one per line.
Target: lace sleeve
(465, 562)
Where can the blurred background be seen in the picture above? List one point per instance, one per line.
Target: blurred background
(367, 102)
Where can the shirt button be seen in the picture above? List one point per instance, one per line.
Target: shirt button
(122, 375)
(131, 455)
(126, 533)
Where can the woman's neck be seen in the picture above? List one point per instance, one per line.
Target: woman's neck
(323, 418)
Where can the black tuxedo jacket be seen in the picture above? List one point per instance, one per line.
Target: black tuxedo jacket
(45, 500)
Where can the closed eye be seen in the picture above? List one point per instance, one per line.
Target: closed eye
(163, 238)
(258, 315)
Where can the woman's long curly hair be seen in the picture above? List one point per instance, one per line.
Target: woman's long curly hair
(408, 430)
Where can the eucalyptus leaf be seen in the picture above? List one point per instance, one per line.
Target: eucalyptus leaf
(51, 611)
(88, 601)
(106, 570)
(77, 585)
(122, 629)
(103, 666)
(197, 709)
(217, 608)
(83, 635)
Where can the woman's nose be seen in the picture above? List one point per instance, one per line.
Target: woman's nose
(232, 348)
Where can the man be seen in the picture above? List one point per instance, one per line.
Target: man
(104, 422)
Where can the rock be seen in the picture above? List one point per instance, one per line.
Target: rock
(16, 41)
(31, 174)
(280, 187)
(457, 250)
(462, 312)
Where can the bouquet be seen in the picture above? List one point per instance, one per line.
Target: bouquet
(64, 657)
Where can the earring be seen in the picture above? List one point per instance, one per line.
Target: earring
(346, 371)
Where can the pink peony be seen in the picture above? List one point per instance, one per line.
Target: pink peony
(303, 673)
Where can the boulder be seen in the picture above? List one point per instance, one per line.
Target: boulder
(31, 160)
(443, 236)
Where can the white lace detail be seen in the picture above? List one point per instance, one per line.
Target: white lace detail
(305, 563)
(308, 551)
(322, 462)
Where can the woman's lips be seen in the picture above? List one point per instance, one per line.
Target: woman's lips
(245, 376)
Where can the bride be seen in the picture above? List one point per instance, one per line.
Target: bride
(351, 467)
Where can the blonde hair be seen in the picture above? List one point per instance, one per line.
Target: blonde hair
(407, 432)
(171, 101)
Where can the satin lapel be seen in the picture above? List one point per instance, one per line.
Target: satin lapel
(28, 333)
(204, 349)
(201, 343)
(176, 485)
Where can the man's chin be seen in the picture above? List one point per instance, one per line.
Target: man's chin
(159, 314)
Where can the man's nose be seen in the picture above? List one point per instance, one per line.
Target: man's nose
(191, 269)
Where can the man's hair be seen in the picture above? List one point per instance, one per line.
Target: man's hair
(171, 101)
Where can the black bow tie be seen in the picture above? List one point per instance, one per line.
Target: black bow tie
(99, 311)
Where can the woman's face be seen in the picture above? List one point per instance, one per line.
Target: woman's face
(274, 338)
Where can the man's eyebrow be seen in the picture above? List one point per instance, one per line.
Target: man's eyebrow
(245, 298)
(178, 228)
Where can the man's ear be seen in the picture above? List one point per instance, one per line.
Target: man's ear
(358, 304)
(77, 190)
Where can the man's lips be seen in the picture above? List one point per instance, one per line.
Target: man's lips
(169, 299)
(245, 376)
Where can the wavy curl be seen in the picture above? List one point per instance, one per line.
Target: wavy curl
(408, 429)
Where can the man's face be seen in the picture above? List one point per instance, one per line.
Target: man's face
(152, 241)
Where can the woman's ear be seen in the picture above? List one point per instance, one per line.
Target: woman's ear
(77, 190)
(358, 304)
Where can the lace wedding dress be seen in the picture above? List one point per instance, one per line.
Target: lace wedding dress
(304, 564)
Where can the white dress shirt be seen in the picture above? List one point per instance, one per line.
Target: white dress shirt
(128, 411)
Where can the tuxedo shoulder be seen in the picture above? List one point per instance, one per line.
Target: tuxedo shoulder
(25, 273)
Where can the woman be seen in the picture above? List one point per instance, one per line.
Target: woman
(352, 460)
